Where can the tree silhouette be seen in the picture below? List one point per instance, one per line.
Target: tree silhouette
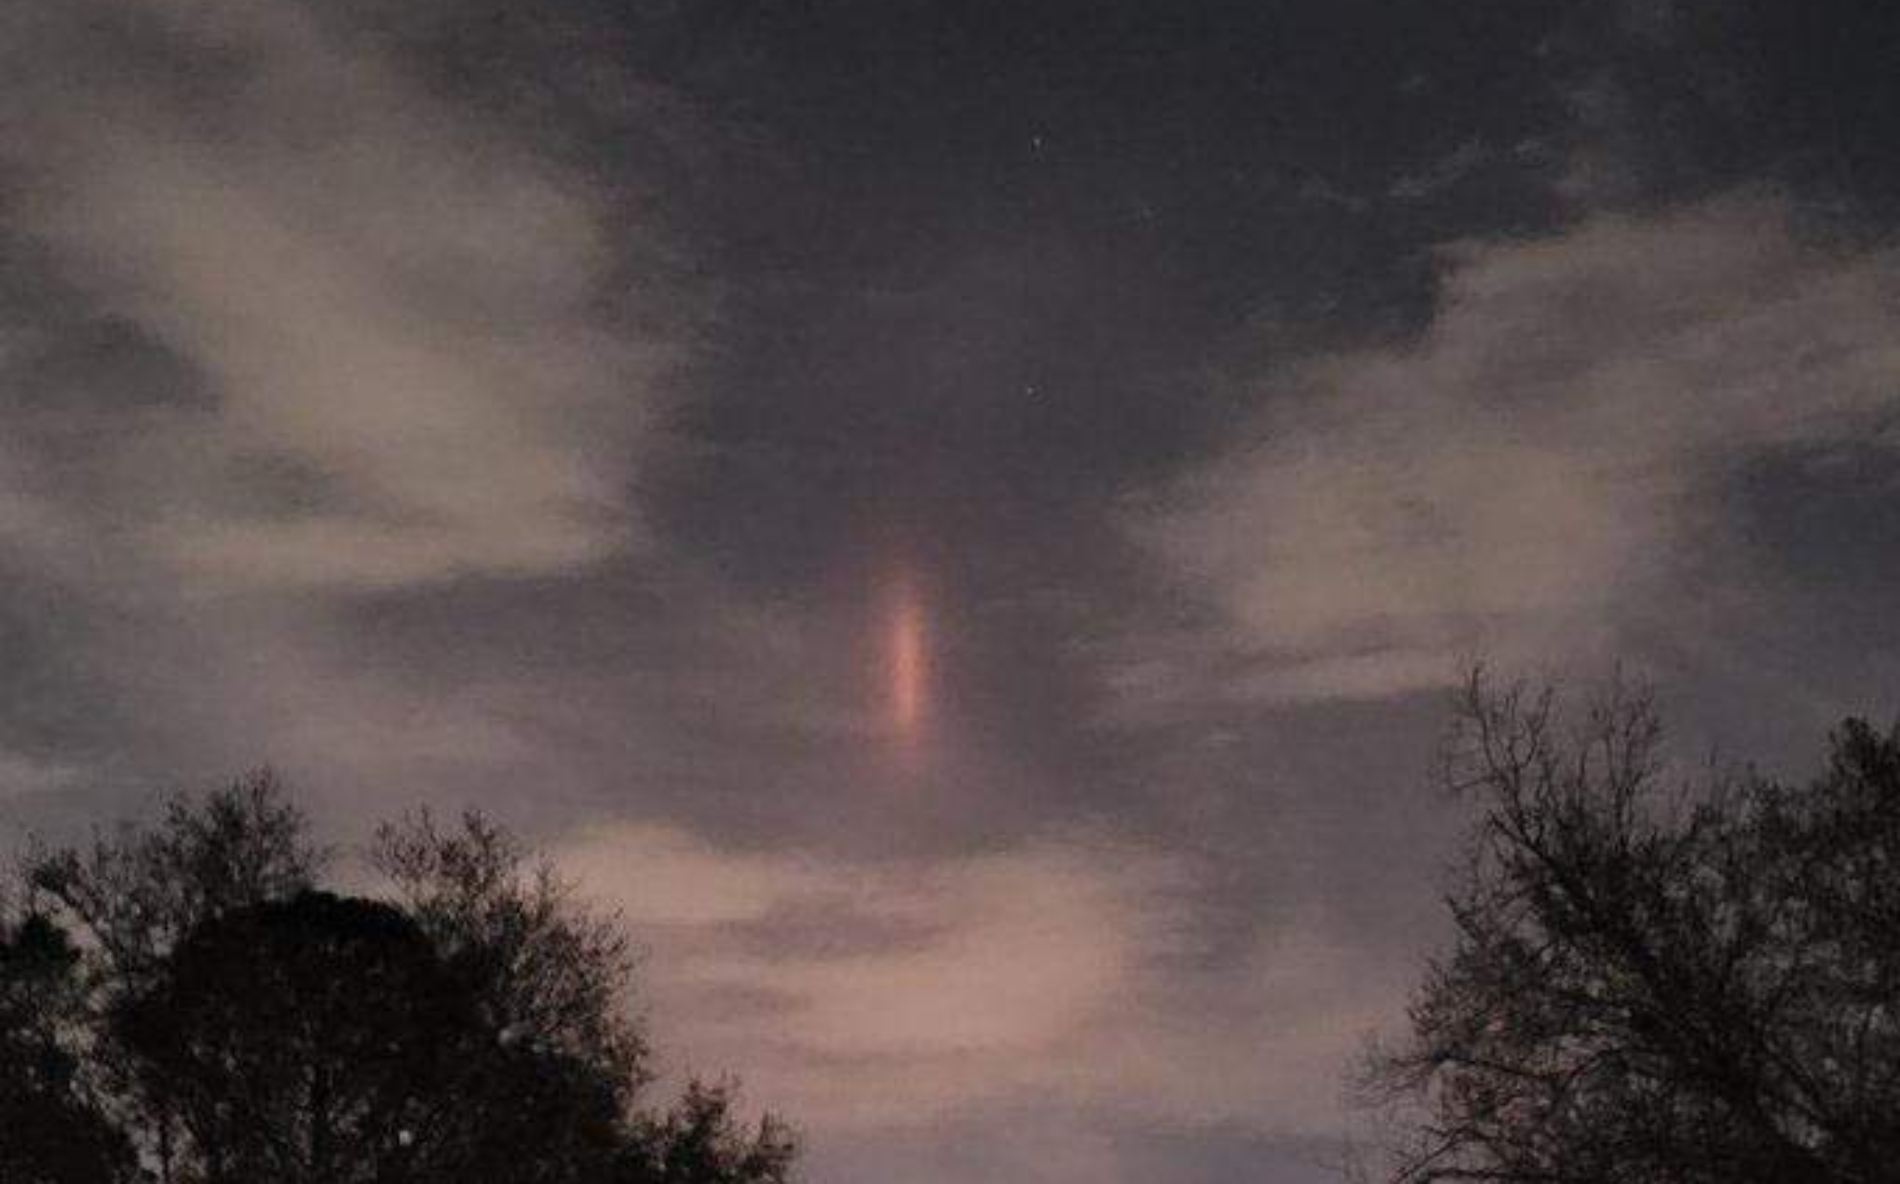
(52, 1131)
(135, 892)
(306, 1040)
(1653, 981)
(220, 1020)
(132, 896)
(697, 1140)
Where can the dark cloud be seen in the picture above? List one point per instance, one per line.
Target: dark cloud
(1687, 97)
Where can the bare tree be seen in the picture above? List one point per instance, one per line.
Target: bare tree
(136, 890)
(1652, 980)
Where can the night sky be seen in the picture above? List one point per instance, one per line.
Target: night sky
(957, 518)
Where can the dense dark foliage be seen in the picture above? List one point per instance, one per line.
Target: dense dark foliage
(51, 1129)
(1652, 981)
(183, 1005)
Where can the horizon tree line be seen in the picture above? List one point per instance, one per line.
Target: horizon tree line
(187, 1003)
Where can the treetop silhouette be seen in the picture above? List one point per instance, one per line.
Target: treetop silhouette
(185, 1004)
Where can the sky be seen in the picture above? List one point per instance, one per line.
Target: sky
(958, 519)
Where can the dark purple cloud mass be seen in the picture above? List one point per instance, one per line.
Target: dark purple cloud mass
(956, 517)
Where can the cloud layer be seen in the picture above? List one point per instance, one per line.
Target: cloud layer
(1546, 468)
(872, 998)
(380, 347)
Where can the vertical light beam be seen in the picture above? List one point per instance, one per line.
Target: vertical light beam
(908, 666)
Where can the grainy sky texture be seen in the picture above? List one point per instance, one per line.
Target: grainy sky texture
(957, 517)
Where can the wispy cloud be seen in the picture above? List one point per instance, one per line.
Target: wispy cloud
(937, 984)
(392, 322)
(1544, 467)
(21, 774)
(875, 996)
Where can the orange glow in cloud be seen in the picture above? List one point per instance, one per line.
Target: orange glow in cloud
(909, 674)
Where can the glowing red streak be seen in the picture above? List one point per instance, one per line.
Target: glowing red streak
(907, 664)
